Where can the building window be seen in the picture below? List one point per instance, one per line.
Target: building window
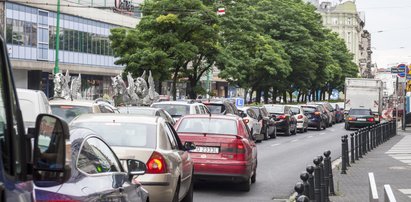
(349, 37)
(43, 35)
(21, 33)
(349, 21)
(335, 21)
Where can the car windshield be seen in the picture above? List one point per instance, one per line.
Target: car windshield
(295, 110)
(141, 135)
(264, 112)
(308, 109)
(216, 109)
(360, 112)
(174, 110)
(207, 125)
(275, 109)
(69, 112)
(139, 111)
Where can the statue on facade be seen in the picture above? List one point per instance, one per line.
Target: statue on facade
(138, 92)
(61, 85)
(75, 88)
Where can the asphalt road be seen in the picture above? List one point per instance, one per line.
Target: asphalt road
(280, 162)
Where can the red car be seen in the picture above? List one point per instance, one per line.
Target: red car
(225, 150)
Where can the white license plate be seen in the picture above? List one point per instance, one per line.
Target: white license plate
(361, 119)
(210, 150)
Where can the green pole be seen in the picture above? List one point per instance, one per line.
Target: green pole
(56, 64)
(208, 84)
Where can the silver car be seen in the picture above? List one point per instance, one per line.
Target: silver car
(151, 140)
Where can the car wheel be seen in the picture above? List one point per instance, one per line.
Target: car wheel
(319, 126)
(266, 135)
(176, 193)
(347, 126)
(324, 126)
(189, 195)
(254, 177)
(295, 130)
(246, 185)
(288, 131)
(306, 129)
(274, 133)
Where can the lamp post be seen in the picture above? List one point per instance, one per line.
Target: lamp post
(56, 63)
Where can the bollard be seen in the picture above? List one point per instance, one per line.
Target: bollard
(304, 177)
(303, 198)
(352, 148)
(360, 143)
(368, 138)
(327, 155)
(343, 160)
(317, 186)
(364, 141)
(322, 182)
(310, 170)
(373, 137)
(356, 146)
(326, 176)
(299, 188)
(347, 153)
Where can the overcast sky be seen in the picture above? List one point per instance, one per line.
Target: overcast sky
(389, 22)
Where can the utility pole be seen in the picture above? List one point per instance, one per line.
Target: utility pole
(56, 63)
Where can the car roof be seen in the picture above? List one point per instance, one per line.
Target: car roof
(138, 107)
(111, 117)
(309, 105)
(178, 103)
(72, 102)
(217, 116)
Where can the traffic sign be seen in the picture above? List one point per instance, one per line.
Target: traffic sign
(395, 70)
(402, 68)
(239, 102)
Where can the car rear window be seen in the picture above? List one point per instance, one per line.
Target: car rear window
(207, 125)
(295, 110)
(360, 112)
(140, 135)
(256, 111)
(69, 112)
(174, 110)
(275, 109)
(308, 109)
(216, 108)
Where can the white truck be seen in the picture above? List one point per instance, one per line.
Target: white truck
(364, 93)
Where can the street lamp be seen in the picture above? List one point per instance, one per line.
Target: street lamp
(56, 63)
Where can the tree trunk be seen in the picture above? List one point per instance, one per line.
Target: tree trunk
(285, 97)
(298, 96)
(245, 95)
(192, 93)
(274, 96)
(266, 95)
(258, 95)
(174, 90)
(291, 96)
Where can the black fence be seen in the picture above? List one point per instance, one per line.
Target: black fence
(317, 181)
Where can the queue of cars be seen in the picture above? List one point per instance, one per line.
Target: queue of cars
(159, 152)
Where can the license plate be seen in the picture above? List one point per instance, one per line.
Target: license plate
(210, 150)
(361, 119)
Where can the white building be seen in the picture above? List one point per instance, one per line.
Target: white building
(388, 79)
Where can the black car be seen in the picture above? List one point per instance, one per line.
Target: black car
(317, 118)
(221, 107)
(285, 121)
(269, 129)
(359, 118)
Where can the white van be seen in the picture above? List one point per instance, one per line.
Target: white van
(32, 103)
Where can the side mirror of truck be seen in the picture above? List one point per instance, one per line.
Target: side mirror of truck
(49, 156)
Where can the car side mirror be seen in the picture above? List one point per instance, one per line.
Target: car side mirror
(136, 167)
(189, 146)
(49, 158)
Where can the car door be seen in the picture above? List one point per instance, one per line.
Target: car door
(179, 158)
(104, 176)
(244, 131)
(256, 125)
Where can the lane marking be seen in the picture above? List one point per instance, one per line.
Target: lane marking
(322, 133)
(273, 145)
(310, 136)
(295, 140)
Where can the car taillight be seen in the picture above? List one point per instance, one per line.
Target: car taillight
(370, 119)
(156, 164)
(352, 118)
(235, 150)
(246, 121)
(317, 113)
(300, 116)
(281, 117)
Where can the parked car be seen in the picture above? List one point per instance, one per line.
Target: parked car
(339, 112)
(302, 120)
(251, 120)
(177, 109)
(151, 140)
(225, 149)
(32, 103)
(221, 107)
(149, 111)
(268, 126)
(95, 170)
(317, 118)
(286, 122)
(329, 110)
(358, 118)
(69, 109)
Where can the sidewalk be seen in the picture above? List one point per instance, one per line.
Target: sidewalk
(391, 164)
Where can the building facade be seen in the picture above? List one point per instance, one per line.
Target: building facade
(30, 33)
(344, 19)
